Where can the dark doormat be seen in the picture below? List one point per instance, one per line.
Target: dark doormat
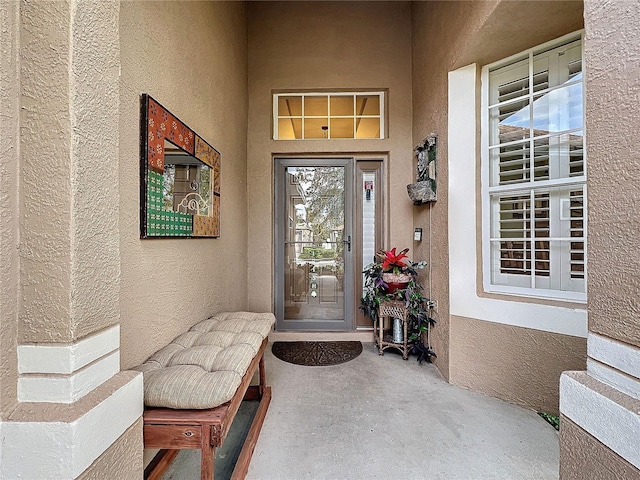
(316, 354)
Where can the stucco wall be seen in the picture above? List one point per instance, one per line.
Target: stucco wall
(95, 250)
(191, 57)
(473, 32)
(432, 28)
(612, 120)
(59, 88)
(9, 233)
(46, 200)
(123, 460)
(325, 45)
(60, 249)
(583, 456)
(69, 62)
(520, 365)
(605, 445)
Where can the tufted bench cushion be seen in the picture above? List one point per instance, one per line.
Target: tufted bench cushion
(203, 367)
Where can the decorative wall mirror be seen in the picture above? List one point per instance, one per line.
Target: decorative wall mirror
(179, 178)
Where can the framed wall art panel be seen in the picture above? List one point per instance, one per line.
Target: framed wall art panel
(179, 177)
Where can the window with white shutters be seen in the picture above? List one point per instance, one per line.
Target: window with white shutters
(535, 190)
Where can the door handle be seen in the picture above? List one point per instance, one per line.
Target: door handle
(348, 242)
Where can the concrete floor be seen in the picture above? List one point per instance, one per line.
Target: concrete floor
(385, 418)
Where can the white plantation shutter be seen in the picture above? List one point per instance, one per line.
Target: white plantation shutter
(575, 225)
(368, 224)
(537, 173)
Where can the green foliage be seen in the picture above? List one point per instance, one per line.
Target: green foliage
(324, 199)
(375, 291)
(317, 253)
(554, 420)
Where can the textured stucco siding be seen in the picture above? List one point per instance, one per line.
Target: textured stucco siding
(9, 232)
(93, 89)
(48, 440)
(436, 24)
(123, 460)
(315, 46)
(60, 246)
(473, 32)
(68, 190)
(516, 364)
(599, 433)
(45, 170)
(192, 58)
(583, 456)
(612, 120)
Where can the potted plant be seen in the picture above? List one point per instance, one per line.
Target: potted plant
(376, 290)
(394, 269)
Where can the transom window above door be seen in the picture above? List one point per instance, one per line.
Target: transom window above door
(311, 116)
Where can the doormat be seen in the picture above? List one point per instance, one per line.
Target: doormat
(316, 354)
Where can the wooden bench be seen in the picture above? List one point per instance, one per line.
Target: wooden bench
(173, 429)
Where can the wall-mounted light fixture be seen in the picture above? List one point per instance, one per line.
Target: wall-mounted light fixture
(417, 234)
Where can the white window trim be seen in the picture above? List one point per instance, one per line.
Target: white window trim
(560, 295)
(274, 112)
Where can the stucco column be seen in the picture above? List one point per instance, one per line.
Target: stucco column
(71, 401)
(600, 425)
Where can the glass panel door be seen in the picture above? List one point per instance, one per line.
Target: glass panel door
(314, 277)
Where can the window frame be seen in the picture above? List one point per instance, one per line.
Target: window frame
(381, 94)
(487, 189)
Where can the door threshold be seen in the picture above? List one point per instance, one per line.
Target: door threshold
(361, 336)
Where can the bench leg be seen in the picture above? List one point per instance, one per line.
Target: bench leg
(263, 376)
(156, 468)
(242, 464)
(207, 465)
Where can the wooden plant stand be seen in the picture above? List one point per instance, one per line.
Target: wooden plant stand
(384, 340)
(172, 430)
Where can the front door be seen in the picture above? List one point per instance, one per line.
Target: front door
(313, 238)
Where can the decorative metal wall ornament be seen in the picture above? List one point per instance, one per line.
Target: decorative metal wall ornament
(424, 190)
(193, 202)
(179, 177)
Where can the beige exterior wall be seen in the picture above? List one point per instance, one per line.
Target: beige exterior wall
(62, 245)
(192, 58)
(606, 445)
(583, 456)
(9, 227)
(329, 45)
(432, 28)
(60, 86)
(68, 270)
(72, 261)
(602, 420)
(481, 33)
(59, 245)
(613, 122)
(123, 460)
(520, 365)
(45, 280)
